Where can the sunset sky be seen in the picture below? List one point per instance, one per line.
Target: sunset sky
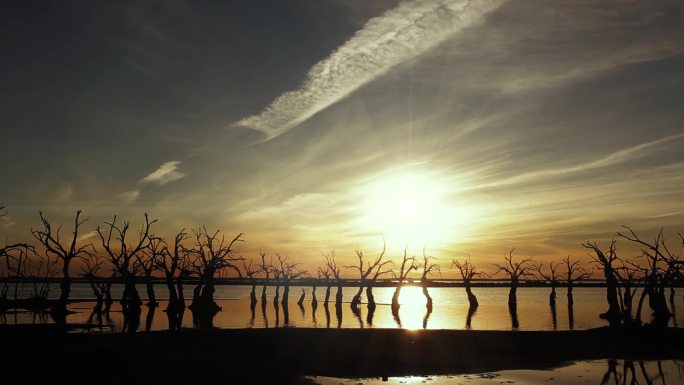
(465, 127)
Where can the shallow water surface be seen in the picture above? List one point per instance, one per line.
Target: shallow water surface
(604, 372)
(450, 310)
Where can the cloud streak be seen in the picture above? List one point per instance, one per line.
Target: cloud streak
(397, 36)
(167, 172)
(606, 161)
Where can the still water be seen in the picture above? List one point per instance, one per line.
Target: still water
(617, 372)
(450, 310)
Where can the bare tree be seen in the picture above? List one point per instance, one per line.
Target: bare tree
(365, 272)
(429, 269)
(407, 265)
(211, 255)
(147, 263)
(657, 273)
(515, 270)
(288, 270)
(551, 276)
(65, 253)
(333, 270)
(172, 262)
(606, 262)
(122, 255)
(250, 271)
(468, 272)
(574, 272)
(266, 269)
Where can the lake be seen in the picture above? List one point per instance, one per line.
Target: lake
(450, 310)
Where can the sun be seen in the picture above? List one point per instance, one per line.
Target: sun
(417, 208)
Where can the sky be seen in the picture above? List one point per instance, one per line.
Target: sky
(464, 128)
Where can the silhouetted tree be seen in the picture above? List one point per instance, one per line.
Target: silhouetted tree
(657, 274)
(515, 271)
(606, 261)
(334, 270)
(407, 265)
(174, 264)
(250, 271)
(122, 255)
(429, 269)
(287, 271)
(468, 272)
(65, 253)
(90, 269)
(574, 272)
(365, 272)
(147, 264)
(210, 255)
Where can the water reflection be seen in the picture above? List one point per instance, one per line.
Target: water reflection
(603, 372)
(450, 310)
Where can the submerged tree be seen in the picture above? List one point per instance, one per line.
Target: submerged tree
(659, 272)
(147, 264)
(123, 255)
(173, 263)
(574, 272)
(429, 269)
(607, 263)
(287, 271)
(552, 277)
(515, 271)
(210, 256)
(333, 269)
(407, 265)
(65, 253)
(468, 272)
(365, 272)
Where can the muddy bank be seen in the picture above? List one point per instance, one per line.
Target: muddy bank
(274, 355)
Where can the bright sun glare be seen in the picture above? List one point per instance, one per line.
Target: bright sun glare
(418, 209)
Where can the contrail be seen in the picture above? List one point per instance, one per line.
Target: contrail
(398, 35)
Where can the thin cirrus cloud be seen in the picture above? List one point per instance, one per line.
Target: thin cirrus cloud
(396, 36)
(166, 173)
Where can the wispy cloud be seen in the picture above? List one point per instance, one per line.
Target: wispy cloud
(384, 42)
(130, 196)
(606, 161)
(167, 172)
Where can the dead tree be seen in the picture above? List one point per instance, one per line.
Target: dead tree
(468, 272)
(657, 274)
(369, 288)
(90, 270)
(574, 272)
(123, 255)
(606, 262)
(515, 271)
(210, 256)
(429, 269)
(629, 277)
(333, 270)
(266, 269)
(147, 264)
(65, 253)
(250, 271)
(288, 270)
(551, 277)
(172, 262)
(407, 265)
(365, 272)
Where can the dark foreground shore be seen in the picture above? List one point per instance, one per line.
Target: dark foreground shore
(261, 356)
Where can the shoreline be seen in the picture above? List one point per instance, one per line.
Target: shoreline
(248, 355)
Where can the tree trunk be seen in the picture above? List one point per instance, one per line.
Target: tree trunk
(371, 298)
(327, 295)
(65, 284)
(151, 297)
(472, 299)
